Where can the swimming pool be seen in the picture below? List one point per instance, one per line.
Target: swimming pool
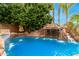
(35, 46)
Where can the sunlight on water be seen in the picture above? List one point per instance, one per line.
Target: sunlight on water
(50, 39)
(61, 41)
(37, 38)
(44, 38)
(20, 40)
(11, 45)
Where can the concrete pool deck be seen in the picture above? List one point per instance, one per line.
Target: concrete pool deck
(1, 47)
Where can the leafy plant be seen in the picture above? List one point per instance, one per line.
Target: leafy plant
(31, 16)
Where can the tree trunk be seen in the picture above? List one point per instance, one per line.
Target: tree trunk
(21, 29)
(53, 18)
(66, 19)
(77, 20)
(59, 15)
(67, 16)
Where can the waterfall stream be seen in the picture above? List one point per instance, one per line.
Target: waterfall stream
(70, 39)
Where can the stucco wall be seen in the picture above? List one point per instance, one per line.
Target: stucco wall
(12, 28)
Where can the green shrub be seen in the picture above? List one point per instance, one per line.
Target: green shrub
(30, 16)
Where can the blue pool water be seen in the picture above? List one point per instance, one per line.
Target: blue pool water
(34, 46)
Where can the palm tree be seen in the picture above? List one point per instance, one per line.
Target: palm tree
(59, 9)
(52, 8)
(75, 18)
(66, 8)
(53, 14)
(59, 15)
